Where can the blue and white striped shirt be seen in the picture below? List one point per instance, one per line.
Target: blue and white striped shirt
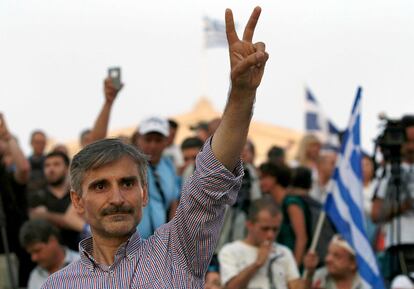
(178, 254)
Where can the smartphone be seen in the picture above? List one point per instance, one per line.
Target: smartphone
(115, 74)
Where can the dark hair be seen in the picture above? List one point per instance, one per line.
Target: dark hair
(264, 203)
(59, 154)
(407, 120)
(302, 178)
(172, 123)
(191, 142)
(37, 231)
(280, 172)
(275, 152)
(35, 132)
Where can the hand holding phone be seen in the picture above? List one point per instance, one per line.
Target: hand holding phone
(114, 73)
(112, 84)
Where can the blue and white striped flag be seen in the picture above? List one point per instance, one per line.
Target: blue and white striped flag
(214, 33)
(318, 124)
(344, 203)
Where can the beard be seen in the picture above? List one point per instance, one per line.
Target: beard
(58, 182)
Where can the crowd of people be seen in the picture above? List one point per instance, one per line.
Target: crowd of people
(192, 212)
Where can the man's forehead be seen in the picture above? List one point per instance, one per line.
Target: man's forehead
(125, 167)
(36, 246)
(265, 216)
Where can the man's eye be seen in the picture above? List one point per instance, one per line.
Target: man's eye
(99, 186)
(128, 184)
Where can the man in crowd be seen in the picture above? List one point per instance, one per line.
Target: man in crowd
(38, 144)
(100, 128)
(340, 269)
(257, 261)
(172, 150)
(394, 207)
(190, 147)
(108, 180)
(325, 166)
(201, 130)
(13, 209)
(42, 241)
(163, 183)
(52, 202)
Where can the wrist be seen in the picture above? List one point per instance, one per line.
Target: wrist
(242, 91)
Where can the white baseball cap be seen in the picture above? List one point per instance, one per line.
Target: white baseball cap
(154, 124)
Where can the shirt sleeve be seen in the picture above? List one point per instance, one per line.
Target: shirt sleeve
(194, 231)
(228, 264)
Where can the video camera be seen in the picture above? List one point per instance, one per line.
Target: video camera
(391, 139)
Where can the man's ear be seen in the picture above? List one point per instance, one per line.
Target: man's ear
(144, 196)
(249, 224)
(77, 202)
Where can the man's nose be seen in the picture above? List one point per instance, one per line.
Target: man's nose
(117, 195)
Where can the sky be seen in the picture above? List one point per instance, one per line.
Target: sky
(55, 54)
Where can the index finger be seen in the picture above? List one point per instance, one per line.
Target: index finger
(230, 30)
(251, 24)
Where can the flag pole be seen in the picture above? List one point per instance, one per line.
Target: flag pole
(317, 232)
(316, 236)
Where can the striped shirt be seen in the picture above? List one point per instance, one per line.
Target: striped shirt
(179, 252)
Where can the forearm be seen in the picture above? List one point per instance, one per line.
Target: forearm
(100, 128)
(60, 220)
(22, 172)
(200, 214)
(300, 249)
(381, 213)
(230, 136)
(243, 278)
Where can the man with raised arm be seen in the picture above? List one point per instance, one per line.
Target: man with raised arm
(108, 180)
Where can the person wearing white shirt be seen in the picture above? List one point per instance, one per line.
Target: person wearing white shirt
(257, 261)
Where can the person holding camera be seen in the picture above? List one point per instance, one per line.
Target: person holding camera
(393, 203)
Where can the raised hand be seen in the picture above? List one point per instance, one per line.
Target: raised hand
(263, 254)
(110, 90)
(247, 60)
(4, 131)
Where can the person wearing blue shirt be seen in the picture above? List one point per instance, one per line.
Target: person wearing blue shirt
(163, 186)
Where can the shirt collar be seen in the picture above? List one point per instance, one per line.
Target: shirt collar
(127, 249)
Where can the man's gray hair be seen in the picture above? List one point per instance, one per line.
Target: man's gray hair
(101, 153)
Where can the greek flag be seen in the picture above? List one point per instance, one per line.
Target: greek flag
(344, 201)
(214, 33)
(318, 124)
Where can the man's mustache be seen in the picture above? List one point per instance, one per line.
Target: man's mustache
(116, 210)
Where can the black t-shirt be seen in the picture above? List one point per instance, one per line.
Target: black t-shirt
(13, 197)
(46, 198)
(14, 205)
